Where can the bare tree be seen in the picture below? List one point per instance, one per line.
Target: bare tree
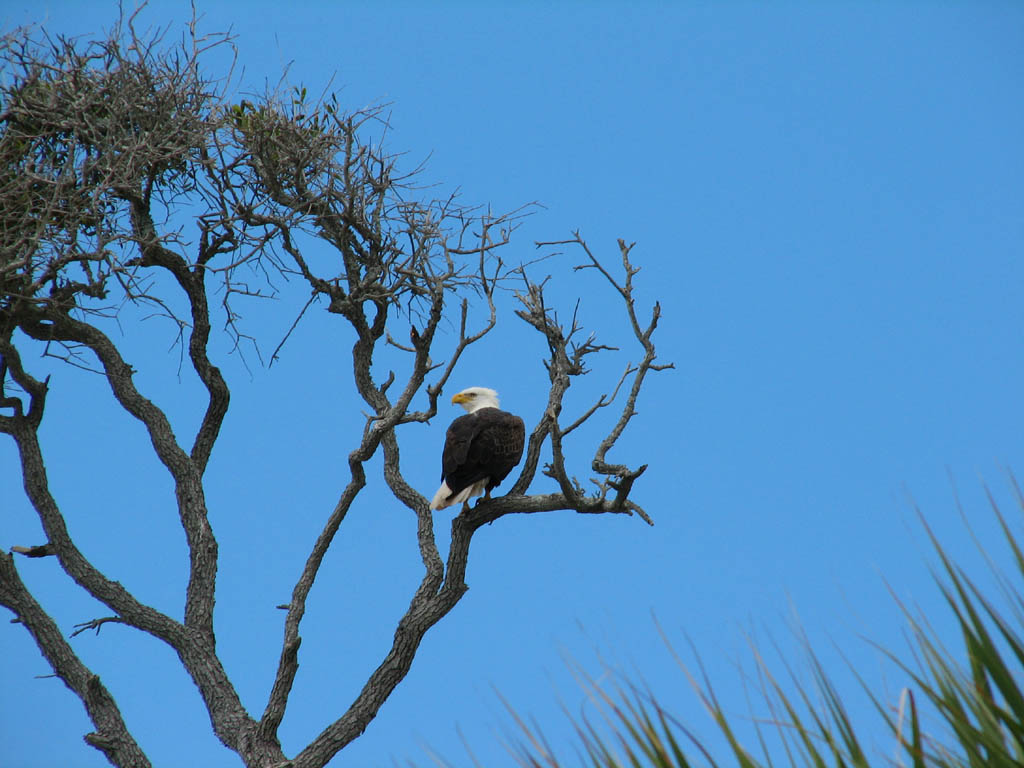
(130, 179)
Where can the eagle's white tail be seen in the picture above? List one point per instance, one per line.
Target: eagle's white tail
(441, 500)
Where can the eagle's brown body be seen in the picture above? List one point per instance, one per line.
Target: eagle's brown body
(480, 448)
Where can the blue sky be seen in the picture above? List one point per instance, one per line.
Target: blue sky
(827, 202)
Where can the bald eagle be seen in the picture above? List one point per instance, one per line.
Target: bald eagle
(480, 449)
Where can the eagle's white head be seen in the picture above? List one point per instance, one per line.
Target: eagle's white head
(475, 398)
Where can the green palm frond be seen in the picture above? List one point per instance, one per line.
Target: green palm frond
(968, 688)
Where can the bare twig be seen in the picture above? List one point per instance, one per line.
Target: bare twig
(96, 624)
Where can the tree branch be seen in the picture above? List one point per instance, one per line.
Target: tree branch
(230, 721)
(96, 624)
(111, 735)
(192, 282)
(187, 479)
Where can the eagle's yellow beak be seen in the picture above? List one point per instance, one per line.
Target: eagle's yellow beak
(461, 398)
